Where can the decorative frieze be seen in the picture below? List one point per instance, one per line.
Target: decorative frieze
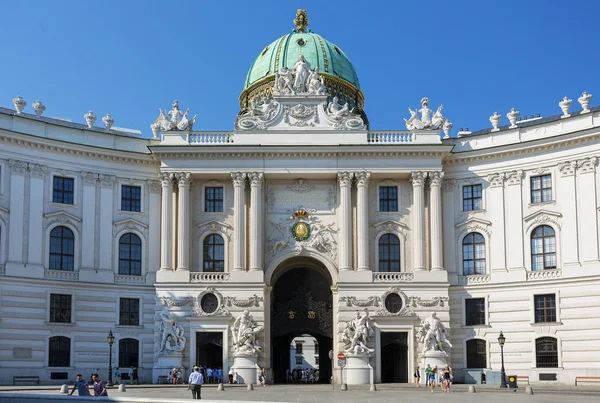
(38, 171)
(17, 167)
(253, 301)
(89, 178)
(209, 302)
(107, 181)
(353, 301)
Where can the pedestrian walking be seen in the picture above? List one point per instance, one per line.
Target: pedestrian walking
(417, 376)
(99, 386)
(81, 385)
(135, 377)
(446, 379)
(427, 372)
(117, 376)
(130, 373)
(261, 377)
(174, 376)
(432, 376)
(195, 383)
(230, 375)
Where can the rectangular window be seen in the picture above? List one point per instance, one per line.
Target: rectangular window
(60, 308)
(475, 311)
(472, 198)
(316, 347)
(298, 348)
(129, 312)
(131, 198)
(545, 308)
(213, 199)
(317, 360)
(541, 188)
(63, 190)
(298, 360)
(388, 198)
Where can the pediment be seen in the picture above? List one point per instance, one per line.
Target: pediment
(130, 221)
(215, 226)
(474, 224)
(62, 214)
(473, 221)
(214, 223)
(391, 225)
(542, 217)
(539, 213)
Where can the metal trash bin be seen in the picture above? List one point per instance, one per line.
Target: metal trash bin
(512, 382)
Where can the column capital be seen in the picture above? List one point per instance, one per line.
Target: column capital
(496, 180)
(38, 171)
(345, 178)
(166, 178)
(587, 164)
(238, 178)
(362, 178)
(17, 167)
(89, 178)
(435, 178)
(107, 181)
(567, 168)
(418, 178)
(515, 177)
(183, 179)
(256, 178)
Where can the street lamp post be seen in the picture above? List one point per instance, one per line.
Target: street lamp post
(110, 339)
(501, 340)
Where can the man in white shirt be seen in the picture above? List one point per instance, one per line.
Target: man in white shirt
(195, 383)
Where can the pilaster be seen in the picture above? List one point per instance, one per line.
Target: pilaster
(154, 235)
(362, 215)
(567, 199)
(514, 220)
(239, 219)
(587, 205)
(18, 169)
(106, 213)
(256, 221)
(496, 210)
(36, 214)
(88, 223)
(345, 234)
(166, 179)
(418, 182)
(183, 220)
(436, 220)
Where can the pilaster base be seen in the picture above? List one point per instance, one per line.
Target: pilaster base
(358, 370)
(170, 276)
(166, 363)
(18, 269)
(245, 367)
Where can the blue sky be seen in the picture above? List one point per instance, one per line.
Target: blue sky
(130, 58)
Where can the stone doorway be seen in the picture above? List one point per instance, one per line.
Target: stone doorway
(209, 349)
(394, 357)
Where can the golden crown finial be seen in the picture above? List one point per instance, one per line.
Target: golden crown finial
(300, 214)
(301, 21)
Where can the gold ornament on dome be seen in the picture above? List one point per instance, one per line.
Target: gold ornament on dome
(301, 21)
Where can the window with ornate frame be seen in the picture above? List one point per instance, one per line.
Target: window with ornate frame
(546, 352)
(389, 253)
(545, 308)
(129, 353)
(62, 249)
(130, 255)
(473, 254)
(543, 248)
(388, 198)
(60, 308)
(59, 351)
(541, 188)
(472, 197)
(213, 253)
(476, 353)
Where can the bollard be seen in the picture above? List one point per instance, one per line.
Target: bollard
(373, 388)
(472, 389)
(249, 387)
(344, 386)
(221, 387)
(122, 388)
(64, 389)
(528, 390)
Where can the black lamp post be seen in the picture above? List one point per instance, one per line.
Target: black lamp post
(110, 339)
(501, 340)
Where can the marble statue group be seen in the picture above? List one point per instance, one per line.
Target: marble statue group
(429, 119)
(357, 333)
(300, 80)
(171, 334)
(244, 332)
(173, 119)
(433, 334)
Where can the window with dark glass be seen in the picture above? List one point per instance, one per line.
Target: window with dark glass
(541, 188)
(62, 249)
(473, 254)
(546, 352)
(317, 360)
(129, 312)
(545, 308)
(476, 353)
(214, 254)
(474, 312)
(388, 198)
(60, 308)
(472, 199)
(129, 353)
(63, 190)
(298, 348)
(213, 199)
(543, 248)
(59, 351)
(389, 253)
(131, 198)
(316, 347)
(130, 255)
(298, 360)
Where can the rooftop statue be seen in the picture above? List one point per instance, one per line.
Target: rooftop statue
(337, 111)
(283, 82)
(301, 71)
(178, 121)
(427, 121)
(315, 83)
(301, 21)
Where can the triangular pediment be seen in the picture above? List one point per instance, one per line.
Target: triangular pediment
(390, 224)
(214, 223)
(64, 214)
(473, 221)
(539, 213)
(130, 221)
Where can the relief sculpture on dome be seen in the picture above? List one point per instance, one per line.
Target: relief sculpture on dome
(341, 116)
(300, 80)
(258, 116)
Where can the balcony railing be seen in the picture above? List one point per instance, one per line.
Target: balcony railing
(61, 275)
(379, 277)
(122, 279)
(544, 274)
(209, 277)
(475, 279)
(216, 138)
(390, 137)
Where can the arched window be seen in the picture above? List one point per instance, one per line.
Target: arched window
(214, 253)
(473, 254)
(476, 353)
(129, 350)
(62, 249)
(130, 255)
(59, 351)
(546, 352)
(543, 248)
(389, 253)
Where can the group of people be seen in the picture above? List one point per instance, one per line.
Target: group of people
(132, 375)
(82, 387)
(301, 375)
(433, 376)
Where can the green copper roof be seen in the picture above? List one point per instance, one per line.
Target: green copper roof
(318, 51)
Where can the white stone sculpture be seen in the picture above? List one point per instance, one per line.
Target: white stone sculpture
(19, 104)
(357, 333)
(433, 334)
(90, 119)
(336, 111)
(316, 85)
(512, 116)
(438, 119)
(155, 127)
(565, 105)
(283, 82)
(244, 331)
(301, 71)
(446, 128)
(425, 112)
(178, 121)
(171, 334)
(38, 107)
(495, 120)
(584, 100)
(258, 116)
(427, 121)
(300, 80)
(108, 121)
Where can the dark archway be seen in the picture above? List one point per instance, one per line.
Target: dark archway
(301, 304)
(394, 357)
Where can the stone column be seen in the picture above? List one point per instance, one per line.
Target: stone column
(36, 213)
(587, 206)
(107, 183)
(166, 237)
(418, 182)
(514, 220)
(18, 169)
(183, 220)
(154, 188)
(256, 221)
(362, 218)
(88, 223)
(345, 235)
(239, 222)
(435, 220)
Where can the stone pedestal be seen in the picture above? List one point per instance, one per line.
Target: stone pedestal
(245, 367)
(357, 371)
(437, 359)
(166, 363)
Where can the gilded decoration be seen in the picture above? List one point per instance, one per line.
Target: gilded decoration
(301, 228)
(301, 22)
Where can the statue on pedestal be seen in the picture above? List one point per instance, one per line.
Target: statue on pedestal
(427, 121)
(244, 331)
(178, 121)
(171, 334)
(357, 333)
(301, 71)
(433, 334)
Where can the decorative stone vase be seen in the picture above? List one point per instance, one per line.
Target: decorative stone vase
(446, 128)
(495, 120)
(565, 105)
(108, 121)
(512, 116)
(155, 127)
(584, 100)
(19, 104)
(38, 107)
(90, 119)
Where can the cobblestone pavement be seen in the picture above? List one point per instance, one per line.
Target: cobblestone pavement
(324, 393)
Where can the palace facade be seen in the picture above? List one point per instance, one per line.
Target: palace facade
(301, 215)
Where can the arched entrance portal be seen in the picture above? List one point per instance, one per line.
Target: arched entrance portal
(301, 305)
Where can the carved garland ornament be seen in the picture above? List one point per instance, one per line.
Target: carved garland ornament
(352, 301)
(253, 301)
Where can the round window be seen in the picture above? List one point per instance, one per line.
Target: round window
(393, 302)
(209, 303)
(301, 42)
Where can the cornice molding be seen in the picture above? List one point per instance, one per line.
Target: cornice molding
(295, 154)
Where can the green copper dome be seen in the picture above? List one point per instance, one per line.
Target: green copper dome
(319, 52)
